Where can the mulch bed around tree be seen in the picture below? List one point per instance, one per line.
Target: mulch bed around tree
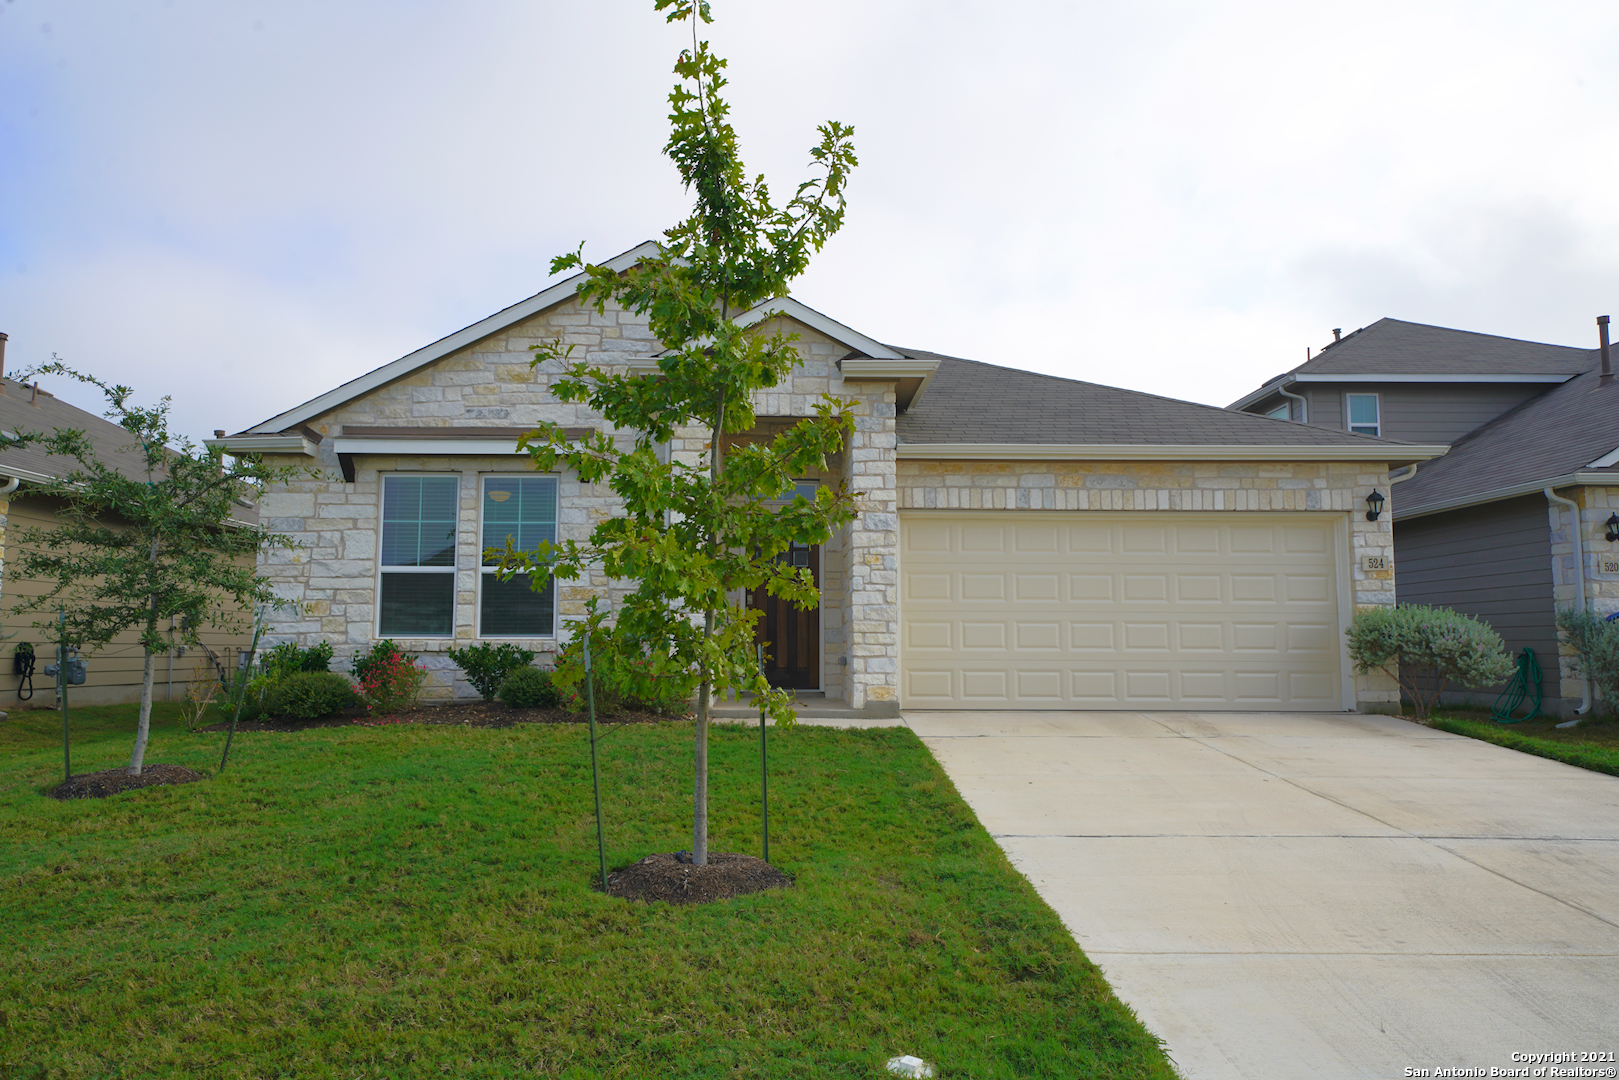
(482, 714)
(666, 877)
(98, 785)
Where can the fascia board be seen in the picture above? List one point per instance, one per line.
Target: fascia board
(843, 335)
(427, 447)
(859, 367)
(1412, 378)
(264, 444)
(1263, 392)
(1512, 491)
(1393, 455)
(556, 294)
(1607, 460)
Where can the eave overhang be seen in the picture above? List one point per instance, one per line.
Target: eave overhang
(1580, 478)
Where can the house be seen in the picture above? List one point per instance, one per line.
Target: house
(1022, 542)
(113, 672)
(1510, 525)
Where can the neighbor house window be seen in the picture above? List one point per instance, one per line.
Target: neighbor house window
(1363, 418)
(1281, 412)
(523, 508)
(417, 593)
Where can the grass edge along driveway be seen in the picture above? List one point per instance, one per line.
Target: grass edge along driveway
(417, 901)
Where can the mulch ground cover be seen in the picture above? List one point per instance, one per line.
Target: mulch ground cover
(478, 714)
(672, 878)
(98, 785)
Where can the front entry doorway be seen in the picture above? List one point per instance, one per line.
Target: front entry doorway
(791, 637)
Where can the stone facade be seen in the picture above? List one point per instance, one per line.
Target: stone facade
(1601, 585)
(334, 574)
(1214, 487)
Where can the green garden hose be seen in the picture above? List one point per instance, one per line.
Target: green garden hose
(1528, 675)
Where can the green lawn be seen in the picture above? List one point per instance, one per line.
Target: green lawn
(417, 901)
(1594, 744)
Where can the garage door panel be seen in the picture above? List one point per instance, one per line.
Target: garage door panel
(1117, 612)
(929, 635)
(1201, 637)
(1083, 587)
(982, 685)
(1198, 588)
(919, 586)
(1146, 637)
(1038, 636)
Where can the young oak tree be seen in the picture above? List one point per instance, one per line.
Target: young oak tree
(140, 551)
(694, 535)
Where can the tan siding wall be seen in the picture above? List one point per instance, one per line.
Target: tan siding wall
(113, 672)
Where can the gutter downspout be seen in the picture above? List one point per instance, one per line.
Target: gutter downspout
(1304, 406)
(1579, 583)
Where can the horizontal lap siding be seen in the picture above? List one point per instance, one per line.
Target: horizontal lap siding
(112, 672)
(1491, 561)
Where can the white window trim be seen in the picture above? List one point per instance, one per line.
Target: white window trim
(1377, 400)
(483, 571)
(452, 570)
(1283, 411)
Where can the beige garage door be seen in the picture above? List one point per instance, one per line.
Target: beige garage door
(1119, 611)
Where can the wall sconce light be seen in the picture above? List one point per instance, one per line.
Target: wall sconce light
(1374, 505)
(1613, 527)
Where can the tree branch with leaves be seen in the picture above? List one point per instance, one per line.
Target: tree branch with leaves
(694, 535)
(162, 541)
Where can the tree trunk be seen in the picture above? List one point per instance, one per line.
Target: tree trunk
(147, 672)
(145, 724)
(699, 812)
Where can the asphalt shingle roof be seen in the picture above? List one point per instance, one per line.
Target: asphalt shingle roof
(972, 402)
(1395, 347)
(1549, 436)
(21, 411)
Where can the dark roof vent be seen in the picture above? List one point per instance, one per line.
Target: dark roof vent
(1602, 346)
(1337, 334)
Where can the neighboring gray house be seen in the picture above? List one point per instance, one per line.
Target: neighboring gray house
(1022, 541)
(1488, 528)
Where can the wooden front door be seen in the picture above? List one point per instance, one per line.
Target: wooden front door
(792, 638)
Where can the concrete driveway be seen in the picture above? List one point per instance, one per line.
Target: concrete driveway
(1312, 895)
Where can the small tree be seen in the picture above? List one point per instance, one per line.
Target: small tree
(693, 535)
(1424, 649)
(158, 545)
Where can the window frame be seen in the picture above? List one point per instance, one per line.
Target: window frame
(1377, 407)
(486, 571)
(452, 570)
(1284, 411)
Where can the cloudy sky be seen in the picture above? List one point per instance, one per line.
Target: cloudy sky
(243, 204)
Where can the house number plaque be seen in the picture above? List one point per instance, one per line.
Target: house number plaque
(1608, 564)
(1376, 562)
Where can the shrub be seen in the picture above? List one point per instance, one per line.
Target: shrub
(289, 657)
(645, 679)
(389, 679)
(309, 695)
(487, 666)
(530, 688)
(1426, 648)
(1596, 640)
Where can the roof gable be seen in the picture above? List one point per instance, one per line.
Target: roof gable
(1392, 350)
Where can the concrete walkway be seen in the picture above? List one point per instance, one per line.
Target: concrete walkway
(1312, 895)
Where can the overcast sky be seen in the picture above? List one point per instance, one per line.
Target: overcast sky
(243, 203)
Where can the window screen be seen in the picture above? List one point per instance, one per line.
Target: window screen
(523, 508)
(1363, 419)
(418, 556)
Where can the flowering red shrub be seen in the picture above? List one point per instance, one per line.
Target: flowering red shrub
(388, 678)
